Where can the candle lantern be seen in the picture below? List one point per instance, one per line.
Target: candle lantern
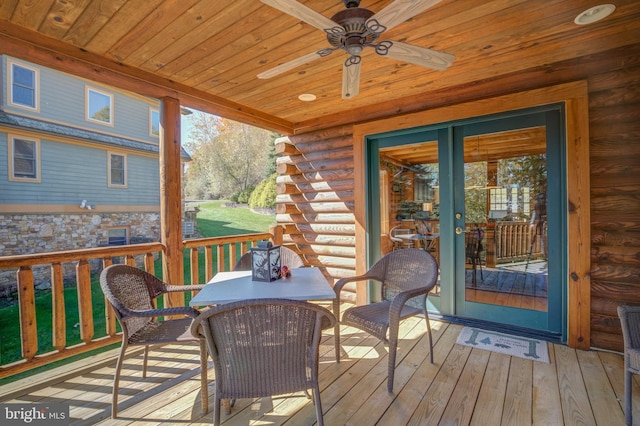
(265, 262)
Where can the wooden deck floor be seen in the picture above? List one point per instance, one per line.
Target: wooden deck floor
(463, 386)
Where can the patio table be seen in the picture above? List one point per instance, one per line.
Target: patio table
(303, 284)
(429, 240)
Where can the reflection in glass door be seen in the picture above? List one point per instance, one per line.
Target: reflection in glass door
(505, 181)
(410, 197)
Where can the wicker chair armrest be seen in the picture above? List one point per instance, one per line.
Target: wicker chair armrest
(179, 288)
(337, 287)
(400, 299)
(179, 310)
(328, 320)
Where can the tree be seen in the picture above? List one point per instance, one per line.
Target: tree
(228, 157)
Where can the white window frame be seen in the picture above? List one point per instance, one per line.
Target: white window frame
(11, 145)
(110, 155)
(88, 116)
(152, 112)
(36, 96)
(118, 228)
(499, 199)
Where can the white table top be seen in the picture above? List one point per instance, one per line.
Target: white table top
(417, 236)
(225, 287)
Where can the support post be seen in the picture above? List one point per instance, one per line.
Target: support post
(171, 196)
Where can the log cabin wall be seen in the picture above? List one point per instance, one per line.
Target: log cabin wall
(317, 196)
(614, 117)
(315, 199)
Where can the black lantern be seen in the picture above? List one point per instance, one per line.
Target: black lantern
(265, 262)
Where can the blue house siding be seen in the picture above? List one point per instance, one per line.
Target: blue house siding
(63, 100)
(71, 173)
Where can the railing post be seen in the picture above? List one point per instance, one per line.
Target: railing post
(27, 303)
(277, 232)
(57, 299)
(109, 314)
(85, 303)
(195, 270)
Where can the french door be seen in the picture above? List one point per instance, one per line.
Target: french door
(486, 197)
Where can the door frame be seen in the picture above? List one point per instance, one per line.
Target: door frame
(575, 98)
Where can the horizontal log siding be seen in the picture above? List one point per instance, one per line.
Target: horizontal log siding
(315, 199)
(614, 115)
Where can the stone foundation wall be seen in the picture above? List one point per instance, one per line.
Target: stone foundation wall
(43, 233)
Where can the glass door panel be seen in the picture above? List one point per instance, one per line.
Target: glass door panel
(475, 195)
(505, 218)
(410, 198)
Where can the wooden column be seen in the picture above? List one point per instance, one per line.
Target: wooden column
(171, 196)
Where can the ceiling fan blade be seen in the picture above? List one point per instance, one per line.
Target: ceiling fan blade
(419, 56)
(350, 80)
(302, 12)
(290, 65)
(399, 11)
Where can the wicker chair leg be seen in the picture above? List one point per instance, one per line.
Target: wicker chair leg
(393, 346)
(216, 411)
(204, 389)
(628, 409)
(116, 381)
(144, 361)
(426, 318)
(318, 404)
(336, 328)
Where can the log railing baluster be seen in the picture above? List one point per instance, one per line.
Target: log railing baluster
(27, 304)
(57, 299)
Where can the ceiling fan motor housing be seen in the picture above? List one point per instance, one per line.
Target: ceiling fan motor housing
(356, 35)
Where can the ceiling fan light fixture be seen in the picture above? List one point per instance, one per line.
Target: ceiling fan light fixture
(353, 46)
(594, 14)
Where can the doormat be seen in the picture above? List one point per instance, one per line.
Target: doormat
(507, 344)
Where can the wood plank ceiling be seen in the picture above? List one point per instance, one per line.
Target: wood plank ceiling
(208, 53)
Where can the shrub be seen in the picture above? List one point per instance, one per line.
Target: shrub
(264, 195)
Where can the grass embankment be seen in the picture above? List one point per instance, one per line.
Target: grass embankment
(213, 220)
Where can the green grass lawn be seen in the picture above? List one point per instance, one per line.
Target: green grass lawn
(213, 220)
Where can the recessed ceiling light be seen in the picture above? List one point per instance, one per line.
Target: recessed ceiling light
(307, 97)
(594, 14)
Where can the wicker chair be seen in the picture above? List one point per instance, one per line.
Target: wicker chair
(406, 276)
(630, 321)
(264, 347)
(132, 293)
(288, 257)
(473, 252)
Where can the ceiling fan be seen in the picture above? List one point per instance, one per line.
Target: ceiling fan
(354, 29)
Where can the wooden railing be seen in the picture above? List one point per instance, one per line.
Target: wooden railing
(511, 242)
(226, 251)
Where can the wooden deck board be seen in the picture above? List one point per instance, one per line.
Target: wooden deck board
(490, 401)
(517, 402)
(546, 394)
(463, 386)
